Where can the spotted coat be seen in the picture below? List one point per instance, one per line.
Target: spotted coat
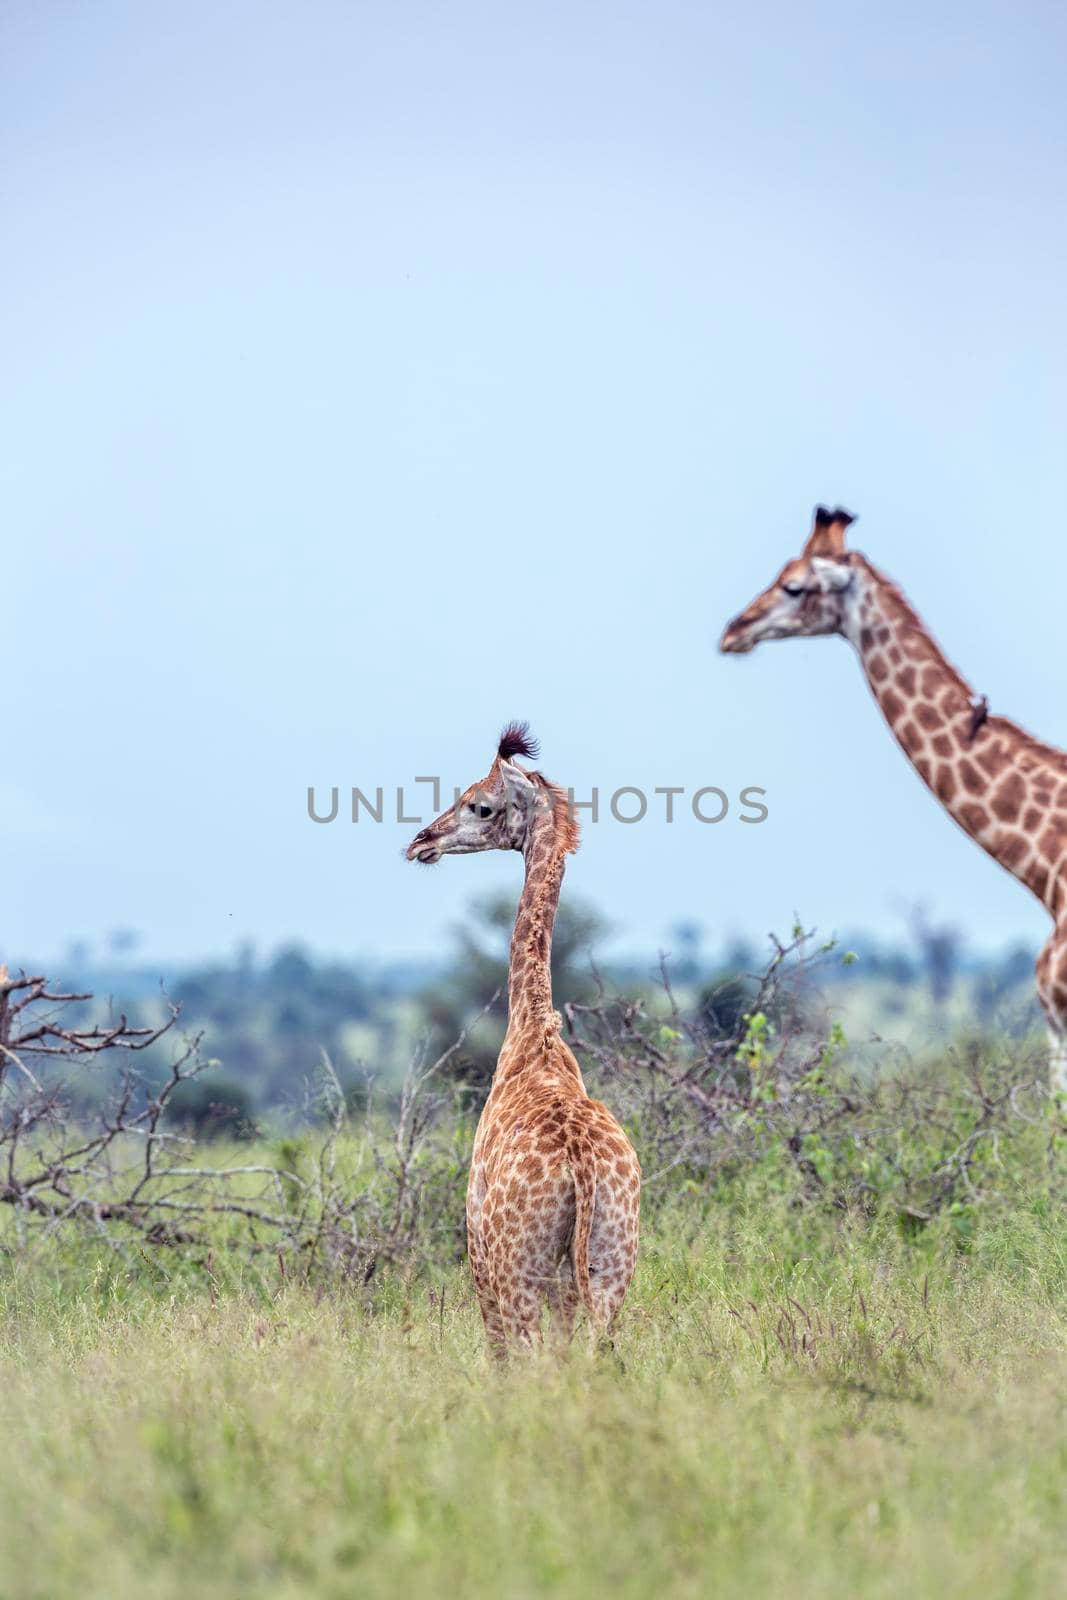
(1002, 786)
(553, 1197)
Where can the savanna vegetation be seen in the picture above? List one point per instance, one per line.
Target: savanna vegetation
(252, 1362)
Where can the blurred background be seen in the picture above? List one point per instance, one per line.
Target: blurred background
(374, 374)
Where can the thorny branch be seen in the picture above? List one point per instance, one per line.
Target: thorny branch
(126, 1172)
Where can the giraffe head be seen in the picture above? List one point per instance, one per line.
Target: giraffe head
(809, 595)
(496, 812)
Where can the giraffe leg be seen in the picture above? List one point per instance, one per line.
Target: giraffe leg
(520, 1310)
(532, 1273)
(1052, 992)
(487, 1300)
(495, 1331)
(613, 1248)
(562, 1294)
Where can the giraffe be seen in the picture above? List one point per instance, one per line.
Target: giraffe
(554, 1189)
(1001, 785)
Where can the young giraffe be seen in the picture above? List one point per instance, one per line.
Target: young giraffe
(1003, 787)
(554, 1188)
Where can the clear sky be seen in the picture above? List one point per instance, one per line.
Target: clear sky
(375, 373)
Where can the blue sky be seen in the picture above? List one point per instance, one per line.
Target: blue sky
(374, 374)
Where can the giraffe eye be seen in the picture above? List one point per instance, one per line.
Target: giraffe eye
(480, 810)
(793, 589)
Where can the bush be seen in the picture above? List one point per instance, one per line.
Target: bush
(213, 1107)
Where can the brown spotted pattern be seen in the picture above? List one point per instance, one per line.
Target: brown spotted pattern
(554, 1192)
(1005, 788)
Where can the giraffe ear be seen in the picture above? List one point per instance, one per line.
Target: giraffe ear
(516, 777)
(519, 791)
(827, 537)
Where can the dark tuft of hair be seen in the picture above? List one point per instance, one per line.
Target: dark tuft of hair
(516, 740)
(825, 518)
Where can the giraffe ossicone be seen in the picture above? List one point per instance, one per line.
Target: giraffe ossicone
(1005, 788)
(553, 1196)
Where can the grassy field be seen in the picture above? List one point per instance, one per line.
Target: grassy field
(794, 1406)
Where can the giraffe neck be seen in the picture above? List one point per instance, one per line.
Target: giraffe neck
(1003, 787)
(529, 973)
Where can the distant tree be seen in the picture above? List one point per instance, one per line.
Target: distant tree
(480, 966)
(269, 1024)
(724, 1001)
(1016, 966)
(940, 948)
(891, 962)
(213, 1107)
(1006, 984)
(687, 937)
(291, 970)
(741, 956)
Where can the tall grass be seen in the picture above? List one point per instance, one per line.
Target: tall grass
(798, 1402)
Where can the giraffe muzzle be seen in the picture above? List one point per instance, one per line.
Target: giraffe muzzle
(423, 849)
(736, 639)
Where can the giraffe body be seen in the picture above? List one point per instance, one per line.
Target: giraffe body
(553, 1196)
(554, 1190)
(1005, 788)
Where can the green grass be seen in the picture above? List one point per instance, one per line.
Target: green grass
(794, 1406)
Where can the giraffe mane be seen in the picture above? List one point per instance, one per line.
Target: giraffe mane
(568, 830)
(994, 723)
(911, 619)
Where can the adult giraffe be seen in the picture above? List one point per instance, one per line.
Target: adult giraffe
(554, 1188)
(1004, 787)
